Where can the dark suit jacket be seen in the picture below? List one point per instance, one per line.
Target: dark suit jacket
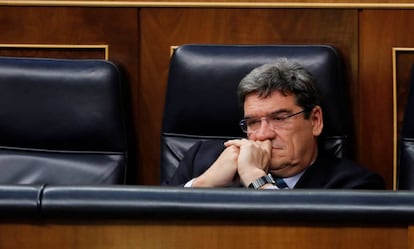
(325, 173)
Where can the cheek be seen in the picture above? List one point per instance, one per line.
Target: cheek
(302, 140)
(284, 144)
(296, 140)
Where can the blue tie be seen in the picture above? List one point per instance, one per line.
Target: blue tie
(280, 183)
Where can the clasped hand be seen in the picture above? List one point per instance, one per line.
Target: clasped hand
(241, 161)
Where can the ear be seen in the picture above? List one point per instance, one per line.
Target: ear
(316, 117)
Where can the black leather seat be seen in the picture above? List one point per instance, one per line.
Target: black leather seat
(20, 201)
(406, 149)
(61, 122)
(166, 203)
(201, 100)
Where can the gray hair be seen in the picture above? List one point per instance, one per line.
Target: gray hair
(283, 76)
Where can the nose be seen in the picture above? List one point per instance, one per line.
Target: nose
(265, 132)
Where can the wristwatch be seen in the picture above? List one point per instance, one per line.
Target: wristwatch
(259, 182)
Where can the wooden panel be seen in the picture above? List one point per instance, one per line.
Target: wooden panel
(208, 235)
(163, 28)
(410, 237)
(116, 27)
(220, 3)
(380, 31)
(50, 51)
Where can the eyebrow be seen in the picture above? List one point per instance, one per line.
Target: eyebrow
(280, 111)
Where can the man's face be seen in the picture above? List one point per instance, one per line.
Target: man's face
(294, 139)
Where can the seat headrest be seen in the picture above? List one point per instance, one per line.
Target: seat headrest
(202, 86)
(60, 104)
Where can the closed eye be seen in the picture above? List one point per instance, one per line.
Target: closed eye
(277, 117)
(252, 121)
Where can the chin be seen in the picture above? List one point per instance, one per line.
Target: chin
(278, 166)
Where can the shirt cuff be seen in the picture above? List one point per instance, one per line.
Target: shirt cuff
(270, 187)
(189, 184)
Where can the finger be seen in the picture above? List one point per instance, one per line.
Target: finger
(235, 142)
(266, 145)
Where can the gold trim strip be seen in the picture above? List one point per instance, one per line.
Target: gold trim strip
(103, 46)
(207, 4)
(395, 135)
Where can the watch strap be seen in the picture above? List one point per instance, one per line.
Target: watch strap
(259, 182)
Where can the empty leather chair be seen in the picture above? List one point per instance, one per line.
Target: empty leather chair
(61, 122)
(202, 103)
(405, 179)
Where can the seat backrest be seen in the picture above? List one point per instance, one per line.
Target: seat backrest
(202, 103)
(405, 178)
(61, 122)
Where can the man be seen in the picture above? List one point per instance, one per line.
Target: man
(282, 119)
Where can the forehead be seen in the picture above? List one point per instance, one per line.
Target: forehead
(256, 105)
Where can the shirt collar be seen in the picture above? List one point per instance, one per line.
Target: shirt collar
(291, 181)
